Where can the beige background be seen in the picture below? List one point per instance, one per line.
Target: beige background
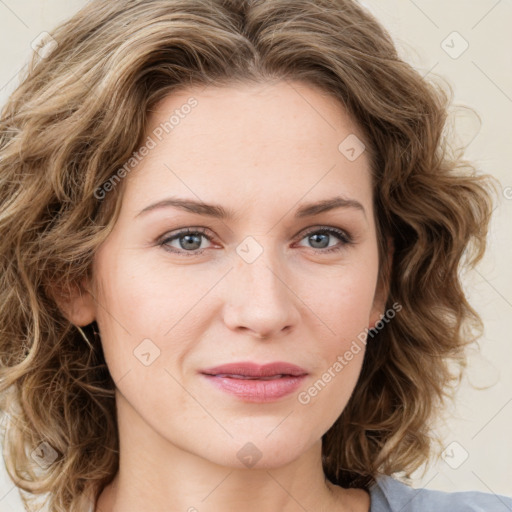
(478, 441)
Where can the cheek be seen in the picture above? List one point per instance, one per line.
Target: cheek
(340, 356)
(326, 395)
(343, 301)
(145, 313)
(342, 305)
(134, 294)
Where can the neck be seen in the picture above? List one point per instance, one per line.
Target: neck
(155, 474)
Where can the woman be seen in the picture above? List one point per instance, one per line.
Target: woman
(231, 234)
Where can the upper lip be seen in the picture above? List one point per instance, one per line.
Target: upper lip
(249, 369)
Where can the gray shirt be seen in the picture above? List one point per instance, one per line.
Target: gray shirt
(390, 495)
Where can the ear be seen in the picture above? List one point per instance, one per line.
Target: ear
(382, 289)
(76, 302)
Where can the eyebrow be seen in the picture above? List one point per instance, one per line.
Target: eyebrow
(219, 212)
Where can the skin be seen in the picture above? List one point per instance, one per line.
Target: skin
(261, 151)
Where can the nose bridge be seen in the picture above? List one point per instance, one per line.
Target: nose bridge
(259, 298)
(260, 268)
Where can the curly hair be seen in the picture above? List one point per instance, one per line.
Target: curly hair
(79, 114)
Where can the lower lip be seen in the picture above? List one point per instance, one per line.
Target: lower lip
(254, 390)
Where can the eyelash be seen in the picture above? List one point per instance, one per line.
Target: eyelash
(344, 237)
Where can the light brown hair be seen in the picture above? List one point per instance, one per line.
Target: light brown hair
(81, 112)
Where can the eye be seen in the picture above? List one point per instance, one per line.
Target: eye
(189, 241)
(320, 237)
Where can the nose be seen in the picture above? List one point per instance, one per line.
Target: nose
(259, 301)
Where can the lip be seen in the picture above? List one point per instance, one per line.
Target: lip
(256, 383)
(249, 369)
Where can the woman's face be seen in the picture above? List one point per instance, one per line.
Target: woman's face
(261, 283)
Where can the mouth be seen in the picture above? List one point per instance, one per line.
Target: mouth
(249, 370)
(252, 370)
(245, 377)
(256, 383)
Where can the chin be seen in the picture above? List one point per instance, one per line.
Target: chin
(259, 451)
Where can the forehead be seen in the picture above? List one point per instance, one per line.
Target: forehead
(246, 141)
(279, 113)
